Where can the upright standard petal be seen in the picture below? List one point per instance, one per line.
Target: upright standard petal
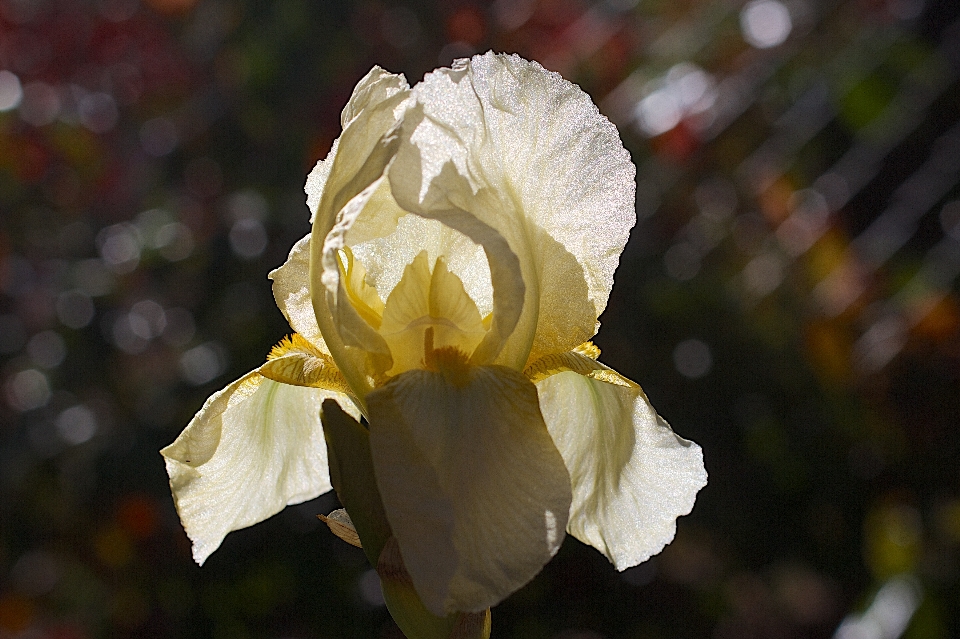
(344, 185)
(538, 140)
(291, 290)
(474, 488)
(632, 476)
(255, 447)
(449, 198)
(433, 300)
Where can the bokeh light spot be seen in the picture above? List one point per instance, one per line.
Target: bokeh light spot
(203, 363)
(685, 90)
(658, 112)
(247, 203)
(76, 424)
(137, 515)
(248, 238)
(10, 91)
(147, 319)
(765, 23)
(98, 112)
(513, 14)
(40, 104)
(692, 358)
(370, 591)
(174, 241)
(180, 327)
(120, 246)
(466, 25)
(35, 573)
(114, 547)
(763, 274)
(159, 137)
(16, 614)
(28, 390)
(47, 349)
(126, 331)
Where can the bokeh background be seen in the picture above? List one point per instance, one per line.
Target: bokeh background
(788, 299)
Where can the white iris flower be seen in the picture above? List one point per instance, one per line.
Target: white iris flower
(465, 235)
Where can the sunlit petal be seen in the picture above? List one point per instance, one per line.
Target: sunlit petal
(298, 362)
(539, 141)
(632, 476)
(363, 297)
(291, 290)
(255, 447)
(353, 177)
(450, 199)
(434, 300)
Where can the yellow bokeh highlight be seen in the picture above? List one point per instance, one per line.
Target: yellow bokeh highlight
(893, 540)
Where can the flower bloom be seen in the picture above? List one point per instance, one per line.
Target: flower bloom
(465, 235)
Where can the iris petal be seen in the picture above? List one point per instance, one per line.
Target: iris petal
(566, 181)
(351, 179)
(255, 447)
(291, 290)
(449, 198)
(434, 300)
(632, 476)
(475, 490)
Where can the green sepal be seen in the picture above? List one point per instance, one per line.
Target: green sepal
(351, 473)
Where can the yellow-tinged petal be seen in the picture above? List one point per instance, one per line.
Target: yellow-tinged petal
(449, 300)
(449, 198)
(369, 113)
(317, 179)
(255, 447)
(363, 297)
(580, 360)
(429, 300)
(386, 254)
(352, 475)
(476, 493)
(341, 189)
(632, 476)
(298, 362)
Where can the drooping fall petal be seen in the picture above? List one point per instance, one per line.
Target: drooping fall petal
(475, 490)
(255, 447)
(632, 476)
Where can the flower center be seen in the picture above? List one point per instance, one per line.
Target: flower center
(453, 363)
(428, 321)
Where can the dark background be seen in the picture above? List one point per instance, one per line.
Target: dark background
(788, 300)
